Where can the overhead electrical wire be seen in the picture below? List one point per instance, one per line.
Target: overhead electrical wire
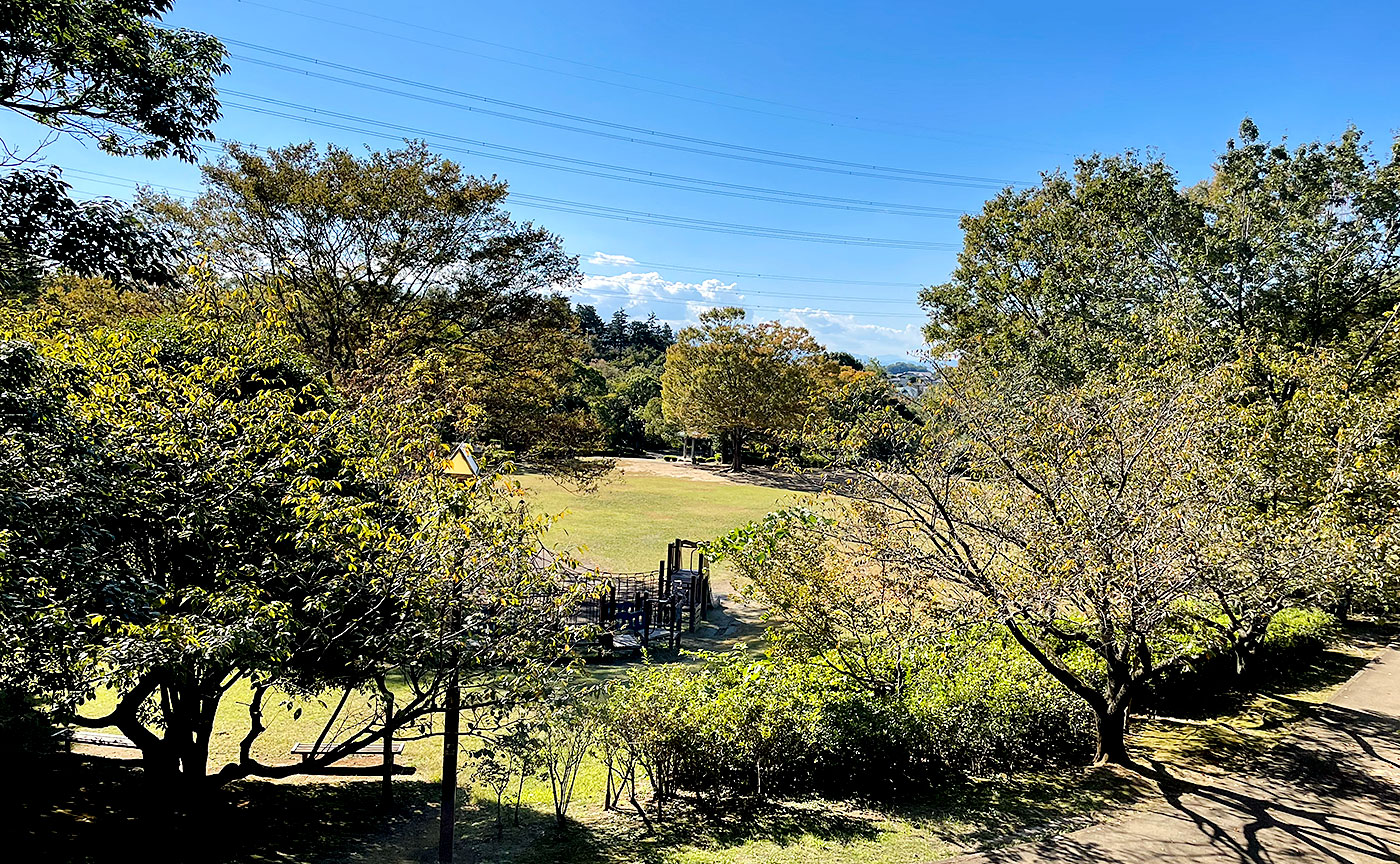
(116, 180)
(586, 209)
(666, 220)
(644, 177)
(537, 67)
(651, 137)
(842, 118)
(465, 38)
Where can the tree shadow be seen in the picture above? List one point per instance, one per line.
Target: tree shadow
(1321, 795)
(80, 808)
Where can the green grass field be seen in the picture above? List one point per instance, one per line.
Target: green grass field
(625, 524)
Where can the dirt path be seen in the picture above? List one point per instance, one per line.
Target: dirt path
(1328, 793)
(712, 473)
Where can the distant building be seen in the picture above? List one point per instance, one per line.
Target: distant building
(912, 385)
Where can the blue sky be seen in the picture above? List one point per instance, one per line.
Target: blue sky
(993, 92)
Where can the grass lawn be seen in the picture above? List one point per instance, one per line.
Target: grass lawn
(625, 524)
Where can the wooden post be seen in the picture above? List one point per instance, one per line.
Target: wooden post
(704, 587)
(448, 806)
(388, 788)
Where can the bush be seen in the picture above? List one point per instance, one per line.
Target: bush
(1296, 634)
(992, 708)
(734, 727)
(1294, 637)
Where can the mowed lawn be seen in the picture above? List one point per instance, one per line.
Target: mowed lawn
(625, 524)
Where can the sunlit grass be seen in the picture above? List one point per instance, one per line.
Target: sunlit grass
(625, 524)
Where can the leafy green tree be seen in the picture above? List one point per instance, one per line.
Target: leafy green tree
(1294, 248)
(43, 230)
(110, 72)
(58, 506)
(1075, 517)
(261, 532)
(590, 325)
(736, 380)
(399, 266)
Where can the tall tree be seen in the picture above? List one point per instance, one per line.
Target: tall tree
(738, 380)
(380, 262)
(110, 72)
(258, 533)
(1295, 248)
(1074, 517)
(1284, 262)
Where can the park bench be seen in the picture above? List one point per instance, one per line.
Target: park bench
(373, 750)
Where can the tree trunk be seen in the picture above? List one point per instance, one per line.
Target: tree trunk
(736, 464)
(1111, 728)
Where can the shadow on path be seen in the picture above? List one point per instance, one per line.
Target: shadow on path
(1329, 793)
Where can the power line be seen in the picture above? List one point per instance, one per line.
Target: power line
(648, 178)
(604, 212)
(742, 152)
(541, 54)
(117, 180)
(942, 134)
(584, 209)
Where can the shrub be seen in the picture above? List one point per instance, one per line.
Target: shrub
(1294, 636)
(735, 727)
(1297, 633)
(986, 707)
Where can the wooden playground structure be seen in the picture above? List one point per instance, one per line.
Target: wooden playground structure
(623, 613)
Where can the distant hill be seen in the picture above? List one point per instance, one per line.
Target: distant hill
(902, 367)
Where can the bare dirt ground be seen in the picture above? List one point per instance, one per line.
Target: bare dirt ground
(709, 473)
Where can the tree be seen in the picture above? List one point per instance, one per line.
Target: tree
(829, 602)
(590, 325)
(111, 73)
(1281, 271)
(399, 264)
(42, 230)
(737, 380)
(261, 532)
(1294, 248)
(57, 508)
(1074, 517)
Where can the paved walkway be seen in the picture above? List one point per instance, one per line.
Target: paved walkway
(1328, 793)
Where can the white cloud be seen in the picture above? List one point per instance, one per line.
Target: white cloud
(838, 331)
(633, 289)
(605, 260)
(845, 333)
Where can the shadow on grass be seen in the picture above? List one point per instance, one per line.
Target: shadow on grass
(79, 809)
(82, 809)
(994, 812)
